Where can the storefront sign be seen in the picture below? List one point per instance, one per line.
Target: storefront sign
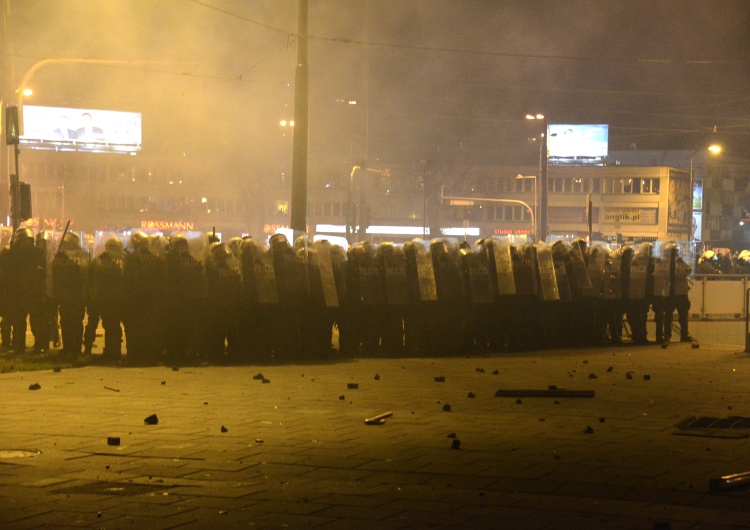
(271, 228)
(512, 232)
(631, 216)
(48, 223)
(168, 225)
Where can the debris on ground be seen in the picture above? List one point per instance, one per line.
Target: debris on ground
(440, 379)
(472, 395)
(352, 386)
(730, 482)
(556, 392)
(35, 386)
(377, 377)
(224, 429)
(588, 430)
(258, 377)
(151, 420)
(112, 389)
(456, 444)
(447, 407)
(379, 419)
(113, 440)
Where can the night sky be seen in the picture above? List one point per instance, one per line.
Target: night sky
(214, 77)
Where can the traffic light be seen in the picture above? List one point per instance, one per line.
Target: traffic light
(24, 201)
(11, 126)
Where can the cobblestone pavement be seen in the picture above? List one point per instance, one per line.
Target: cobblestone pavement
(233, 451)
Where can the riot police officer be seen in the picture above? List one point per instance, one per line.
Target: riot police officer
(25, 275)
(224, 302)
(144, 278)
(69, 272)
(106, 293)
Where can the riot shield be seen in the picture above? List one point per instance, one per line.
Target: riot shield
(661, 277)
(264, 274)
(597, 257)
(638, 272)
(612, 277)
(393, 261)
(477, 269)
(549, 287)
(371, 289)
(580, 272)
(197, 244)
(425, 272)
(100, 239)
(499, 254)
(524, 264)
(445, 254)
(561, 275)
(323, 267)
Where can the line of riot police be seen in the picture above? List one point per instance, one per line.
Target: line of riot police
(190, 299)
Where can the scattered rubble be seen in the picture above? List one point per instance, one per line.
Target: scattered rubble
(35, 386)
(440, 379)
(151, 420)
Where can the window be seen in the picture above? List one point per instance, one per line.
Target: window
(318, 208)
(336, 209)
(327, 208)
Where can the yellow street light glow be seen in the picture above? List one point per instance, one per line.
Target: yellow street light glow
(535, 116)
(282, 123)
(715, 149)
(27, 92)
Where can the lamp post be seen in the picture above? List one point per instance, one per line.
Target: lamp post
(715, 149)
(536, 204)
(543, 166)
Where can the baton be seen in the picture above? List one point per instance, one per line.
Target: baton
(59, 247)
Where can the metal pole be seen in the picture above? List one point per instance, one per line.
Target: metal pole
(16, 193)
(543, 185)
(747, 323)
(299, 149)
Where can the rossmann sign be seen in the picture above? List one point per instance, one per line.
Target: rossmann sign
(168, 225)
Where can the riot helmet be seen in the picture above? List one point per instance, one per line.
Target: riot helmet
(114, 247)
(138, 240)
(24, 236)
(71, 241)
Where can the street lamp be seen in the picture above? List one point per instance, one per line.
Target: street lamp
(715, 149)
(543, 166)
(536, 204)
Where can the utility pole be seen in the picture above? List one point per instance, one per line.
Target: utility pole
(299, 146)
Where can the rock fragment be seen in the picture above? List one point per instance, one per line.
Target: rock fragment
(151, 420)
(35, 386)
(440, 379)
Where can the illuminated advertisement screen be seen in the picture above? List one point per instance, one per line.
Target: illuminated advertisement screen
(103, 131)
(577, 141)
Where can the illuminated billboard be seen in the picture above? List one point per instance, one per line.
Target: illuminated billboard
(66, 129)
(577, 142)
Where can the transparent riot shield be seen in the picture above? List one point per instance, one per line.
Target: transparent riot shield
(370, 286)
(323, 267)
(549, 290)
(612, 276)
(524, 263)
(425, 270)
(393, 261)
(477, 268)
(598, 255)
(638, 272)
(197, 244)
(501, 254)
(661, 276)
(445, 255)
(580, 271)
(265, 278)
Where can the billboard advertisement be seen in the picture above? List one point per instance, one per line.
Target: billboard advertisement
(67, 129)
(584, 142)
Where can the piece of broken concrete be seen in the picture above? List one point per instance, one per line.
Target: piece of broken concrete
(151, 420)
